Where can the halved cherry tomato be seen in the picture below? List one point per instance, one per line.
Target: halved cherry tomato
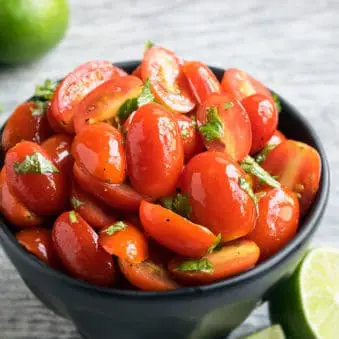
(213, 183)
(164, 70)
(23, 124)
(235, 136)
(154, 151)
(13, 210)
(93, 211)
(234, 258)
(264, 119)
(298, 167)
(159, 254)
(202, 80)
(103, 103)
(34, 180)
(147, 276)
(175, 232)
(137, 72)
(128, 244)
(276, 139)
(78, 248)
(277, 222)
(52, 121)
(99, 148)
(76, 86)
(122, 197)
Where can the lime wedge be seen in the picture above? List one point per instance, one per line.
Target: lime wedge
(307, 305)
(273, 332)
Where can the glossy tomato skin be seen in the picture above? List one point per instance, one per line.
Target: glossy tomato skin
(298, 167)
(236, 140)
(77, 246)
(103, 103)
(23, 125)
(276, 139)
(52, 120)
(99, 148)
(75, 86)
(202, 80)
(264, 119)
(212, 182)
(137, 72)
(43, 194)
(277, 221)
(154, 151)
(169, 85)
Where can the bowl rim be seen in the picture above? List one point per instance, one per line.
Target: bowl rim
(310, 225)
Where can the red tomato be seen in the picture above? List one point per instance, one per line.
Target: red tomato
(137, 72)
(298, 167)
(39, 186)
(52, 120)
(159, 254)
(202, 80)
(122, 197)
(93, 211)
(264, 119)
(103, 103)
(38, 241)
(14, 211)
(235, 135)
(76, 86)
(78, 248)
(175, 232)
(168, 82)
(23, 125)
(212, 182)
(154, 151)
(234, 258)
(277, 222)
(99, 148)
(276, 139)
(128, 244)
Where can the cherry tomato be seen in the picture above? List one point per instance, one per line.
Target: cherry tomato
(202, 80)
(103, 103)
(234, 258)
(34, 180)
(99, 148)
(154, 151)
(235, 135)
(147, 276)
(78, 248)
(264, 119)
(13, 210)
(52, 120)
(159, 254)
(213, 183)
(24, 124)
(175, 232)
(122, 197)
(92, 210)
(169, 85)
(277, 222)
(137, 72)
(76, 86)
(298, 167)
(128, 244)
(276, 139)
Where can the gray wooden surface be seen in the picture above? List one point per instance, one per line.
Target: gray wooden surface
(293, 46)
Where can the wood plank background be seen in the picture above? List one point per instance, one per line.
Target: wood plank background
(292, 46)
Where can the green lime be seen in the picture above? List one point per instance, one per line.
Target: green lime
(273, 332)
(307, 305)
(29, 28)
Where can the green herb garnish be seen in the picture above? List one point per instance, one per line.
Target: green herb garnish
(148, 44)
(262, 155)
(118, 226)
(45, 92)
(76, 203)
(245, 186)
(199, 265)
(215, 246)
(277, 102)
(35, 163)
(214, 128)
(73, 217)
(185, 133)
(228, 105)
(178, 204)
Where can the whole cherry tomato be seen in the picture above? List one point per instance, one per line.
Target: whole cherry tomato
(201, 79)
(137, 72)
(298, 167)
(225, 126)
(154, 151)
(276, 139)
(75, 86)
(52, 120)
(169, 85)
(77, 246)
(27, 122)
(234, 258)
(218, 194)
(34, 179)
(277, 222)
(264, 119)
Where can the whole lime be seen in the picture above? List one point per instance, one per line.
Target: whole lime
(29, 28)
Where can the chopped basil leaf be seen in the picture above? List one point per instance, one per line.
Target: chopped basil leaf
(199, 265)
(277, 102)
(35, 163)
(184, 133)
(148, 44)
(214, 128)
(228, 105)
(167, 202)
(262, 155)
(215, 246)
(179, 204)
(245, 186)
(118, 226)
(73, 217)
(76, 203)
(146, 94)
(39, 109)
(45, 92)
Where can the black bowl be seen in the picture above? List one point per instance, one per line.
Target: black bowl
(210, 311)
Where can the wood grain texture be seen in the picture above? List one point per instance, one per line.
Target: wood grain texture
(292, 46)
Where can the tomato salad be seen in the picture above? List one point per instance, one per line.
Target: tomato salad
(156, 180)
